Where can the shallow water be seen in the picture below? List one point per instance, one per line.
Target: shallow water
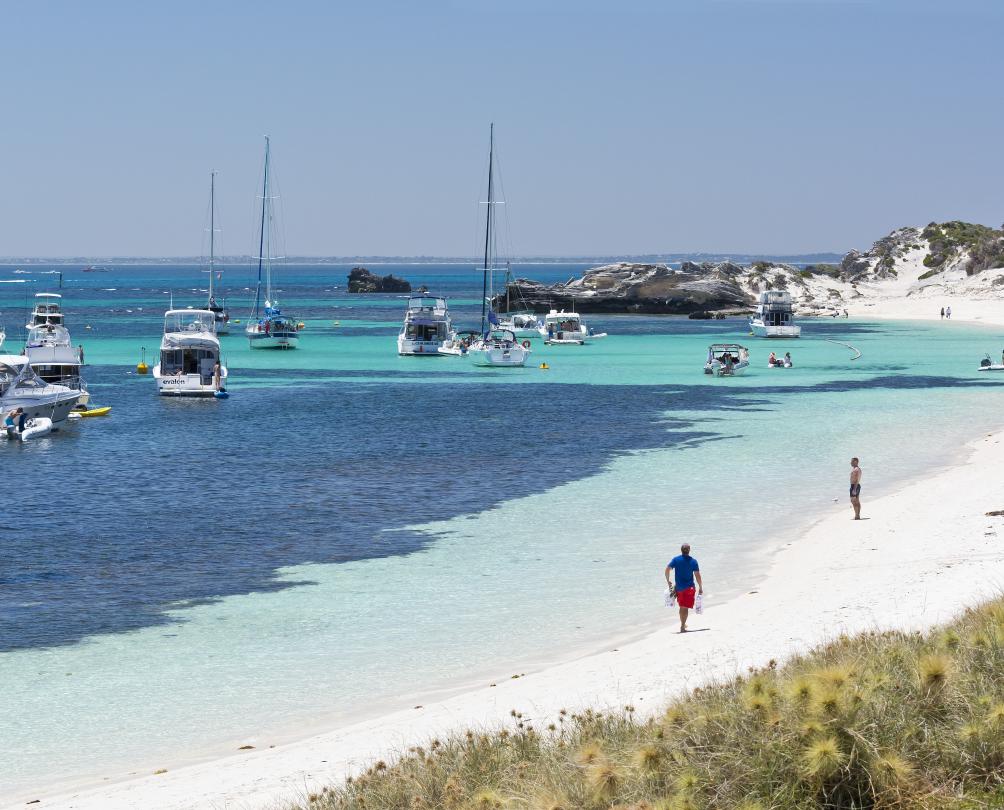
(352, 527)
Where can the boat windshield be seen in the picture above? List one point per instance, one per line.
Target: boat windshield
(427, 303)
(48, 335)
(185, 320)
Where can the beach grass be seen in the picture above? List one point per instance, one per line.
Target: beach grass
(879, 720)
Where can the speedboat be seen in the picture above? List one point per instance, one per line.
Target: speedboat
(21, 387)
(727, 360)
(562, 327)
(51, 354)
(458, 343)
(47, 309)
(499, 347)
(190, 363)
(774, 316)
(427, 327)
(268, 328)
(986, 364)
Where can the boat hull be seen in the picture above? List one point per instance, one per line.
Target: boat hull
(420, 348)
(498, 357)
(717, 369)
(55, 406)
(272, 341)
(185, 385)
(763, 331)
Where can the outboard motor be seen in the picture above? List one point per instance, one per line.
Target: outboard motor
(986, 362)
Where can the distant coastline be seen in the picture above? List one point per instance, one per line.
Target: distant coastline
(665, 258)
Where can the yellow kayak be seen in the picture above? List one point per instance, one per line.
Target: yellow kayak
(96, 411)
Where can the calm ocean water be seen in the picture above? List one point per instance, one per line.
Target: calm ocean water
(351, 527)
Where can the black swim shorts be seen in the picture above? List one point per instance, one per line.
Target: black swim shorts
(855, 490)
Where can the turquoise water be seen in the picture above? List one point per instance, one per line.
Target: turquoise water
(543, 499)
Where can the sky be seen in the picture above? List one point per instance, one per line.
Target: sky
(631, 127)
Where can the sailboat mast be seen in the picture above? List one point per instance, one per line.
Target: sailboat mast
(261, 236)
(212, 229)
(488, 226)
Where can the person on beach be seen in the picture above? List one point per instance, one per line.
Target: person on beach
(686, 570)
(948, 313)
(856, 488)
(942, 313)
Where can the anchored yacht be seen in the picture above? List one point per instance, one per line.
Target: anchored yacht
(190, 363)
(774, 316)
(427, 327)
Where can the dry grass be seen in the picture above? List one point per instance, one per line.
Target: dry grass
(887, 721)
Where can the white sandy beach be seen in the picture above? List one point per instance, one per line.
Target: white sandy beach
(920, 557)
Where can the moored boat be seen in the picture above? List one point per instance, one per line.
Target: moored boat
(727, 360)
(218, 306)
(21, 387)
(562, 327)
(267, 327)
(190, 364)
(51, 354)
(774, 316)
(427, 327)
(494, 346)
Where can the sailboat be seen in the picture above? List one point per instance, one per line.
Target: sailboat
(218, 308)
(267, 327)
(496, 346)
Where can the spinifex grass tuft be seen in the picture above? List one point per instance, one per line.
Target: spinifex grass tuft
(887, 721)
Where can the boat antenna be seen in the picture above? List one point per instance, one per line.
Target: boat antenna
(261, 237)
(488, 225)
(212, 229)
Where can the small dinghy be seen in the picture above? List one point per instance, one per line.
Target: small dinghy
(34, 428)
(96, 411)
(986, 364)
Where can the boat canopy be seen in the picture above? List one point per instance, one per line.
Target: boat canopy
(782, 297)
(189, 320)
(426, 303)
(48, 335)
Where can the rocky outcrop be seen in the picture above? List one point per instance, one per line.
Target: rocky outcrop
(638, 288)
(362, 280)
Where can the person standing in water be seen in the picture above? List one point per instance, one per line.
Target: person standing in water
(686, 569)
(856, 488)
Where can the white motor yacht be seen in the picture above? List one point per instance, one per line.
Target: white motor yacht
(427, 327)
(562, 327)
(51, 354)
(190, 355)
(727, 360)
(522, 324)
(47, 309)
(21, 387)
(774, 316)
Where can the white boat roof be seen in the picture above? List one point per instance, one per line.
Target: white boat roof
(190, 311)
(13, 359)
(48, 295)
(562, 313)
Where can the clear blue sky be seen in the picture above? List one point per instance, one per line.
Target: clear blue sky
(623, 127)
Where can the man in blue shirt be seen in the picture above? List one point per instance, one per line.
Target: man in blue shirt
(686, 570)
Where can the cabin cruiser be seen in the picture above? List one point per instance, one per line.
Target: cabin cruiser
(190, 363)
(499, 347)
(48, 309)
(427, 327)
(51, 354)
(727, 360)
(567, 327)
(522, 324)
(774, 316)
(21, 387)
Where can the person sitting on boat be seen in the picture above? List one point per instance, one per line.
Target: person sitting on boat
(727, 359)
(772, 360)
(10, 421)
(787, 359)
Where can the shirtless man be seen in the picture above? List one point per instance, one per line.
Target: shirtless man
(856, 488)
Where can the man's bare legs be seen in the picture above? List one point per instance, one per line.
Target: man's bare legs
(683, 619)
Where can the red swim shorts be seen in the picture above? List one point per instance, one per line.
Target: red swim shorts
(686, 598)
